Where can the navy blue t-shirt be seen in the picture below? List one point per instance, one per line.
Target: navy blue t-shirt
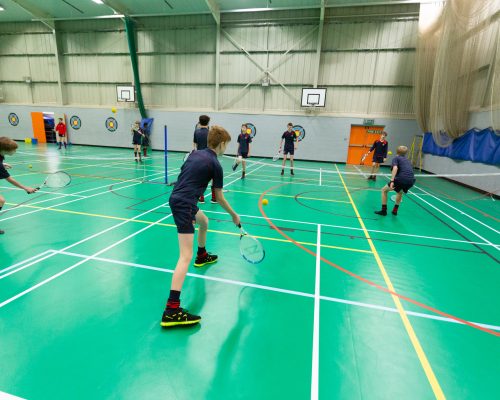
(200, 138)
(244, 140)
(290, 138)
(380, 147)
(200, 168)
(405, 169)
(3, 172)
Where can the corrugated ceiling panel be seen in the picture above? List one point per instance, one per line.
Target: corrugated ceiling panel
(14, 68)
(16, 93)
(296, 68)
(94, 42)
(182, 68)
(43, 68)
(237, 68)
(178, 40)
(347, 68)
(39, 43)
(45, 93)
(347, 100)
(398, 34)
(250, 99)
(395, 68)
(80, 69)
(195, 97)
(391, 101)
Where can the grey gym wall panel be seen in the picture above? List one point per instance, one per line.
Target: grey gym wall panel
(177, 68)
(94, 42)
(23, 27)
(394, 68)
(16, 92)
(187, 40)
(347, 68)
(238, 68)
(350, 100)
(43, 68)
(397, 34)
(250, 99)
(45, 93)
(194, 97)
(394, 101)
(298, 68)
(14, 68)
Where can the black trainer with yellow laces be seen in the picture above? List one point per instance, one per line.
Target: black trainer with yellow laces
(178, 316)
(205, 259)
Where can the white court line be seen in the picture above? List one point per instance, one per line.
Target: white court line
(457, 222)
(42, 191)
(84, 240)
(275, 289)
(51, 278)
(6, 396)
(100, 233)
(460, 211)
(315, 347)
(359, 229)
(72, 201)
(26, 261)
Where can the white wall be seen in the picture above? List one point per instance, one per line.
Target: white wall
(327, 138)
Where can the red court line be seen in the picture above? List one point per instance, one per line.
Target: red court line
(360, 278)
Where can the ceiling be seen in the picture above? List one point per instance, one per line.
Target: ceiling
(27, 10)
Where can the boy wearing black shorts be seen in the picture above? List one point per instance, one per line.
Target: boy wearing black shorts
(8, 147)
(200, 139)
(402, 180)
(199, 169)
(244, 141)
(290, 139)
(379, 155)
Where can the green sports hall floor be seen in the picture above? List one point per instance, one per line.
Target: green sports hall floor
(85, 273)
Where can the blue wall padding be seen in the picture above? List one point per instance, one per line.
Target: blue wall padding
(476, 146)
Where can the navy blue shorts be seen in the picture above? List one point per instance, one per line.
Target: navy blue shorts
(289, 150)
(378, 159)
(184, 215)
(402, 185)
(243, 155)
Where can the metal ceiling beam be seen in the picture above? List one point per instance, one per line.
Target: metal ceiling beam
(214, 9)
(117, 7)
(40, 15)
(318, 43)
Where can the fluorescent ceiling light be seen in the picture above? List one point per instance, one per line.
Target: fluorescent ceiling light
(2, 9)
(98, 1)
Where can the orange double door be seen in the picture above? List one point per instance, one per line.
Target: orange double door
(360, 141)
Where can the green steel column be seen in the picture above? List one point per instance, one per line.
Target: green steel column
(129, 27)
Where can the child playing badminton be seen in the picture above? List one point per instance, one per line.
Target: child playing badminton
(244, 141)
(380, 154)
(402, 179)
(200, 140)
(290, 146)
(198, 170)
(8, 147)
(137, 136)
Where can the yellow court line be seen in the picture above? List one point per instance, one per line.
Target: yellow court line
(436, 388)
(174, 226)
(287, 195)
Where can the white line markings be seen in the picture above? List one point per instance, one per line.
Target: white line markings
(315, 348)
(274, 289)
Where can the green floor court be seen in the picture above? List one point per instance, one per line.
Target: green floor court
(85, 272)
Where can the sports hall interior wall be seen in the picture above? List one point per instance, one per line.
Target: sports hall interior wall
(327, 138)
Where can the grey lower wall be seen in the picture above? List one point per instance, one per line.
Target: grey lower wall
(327, 137)
(445, 165)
